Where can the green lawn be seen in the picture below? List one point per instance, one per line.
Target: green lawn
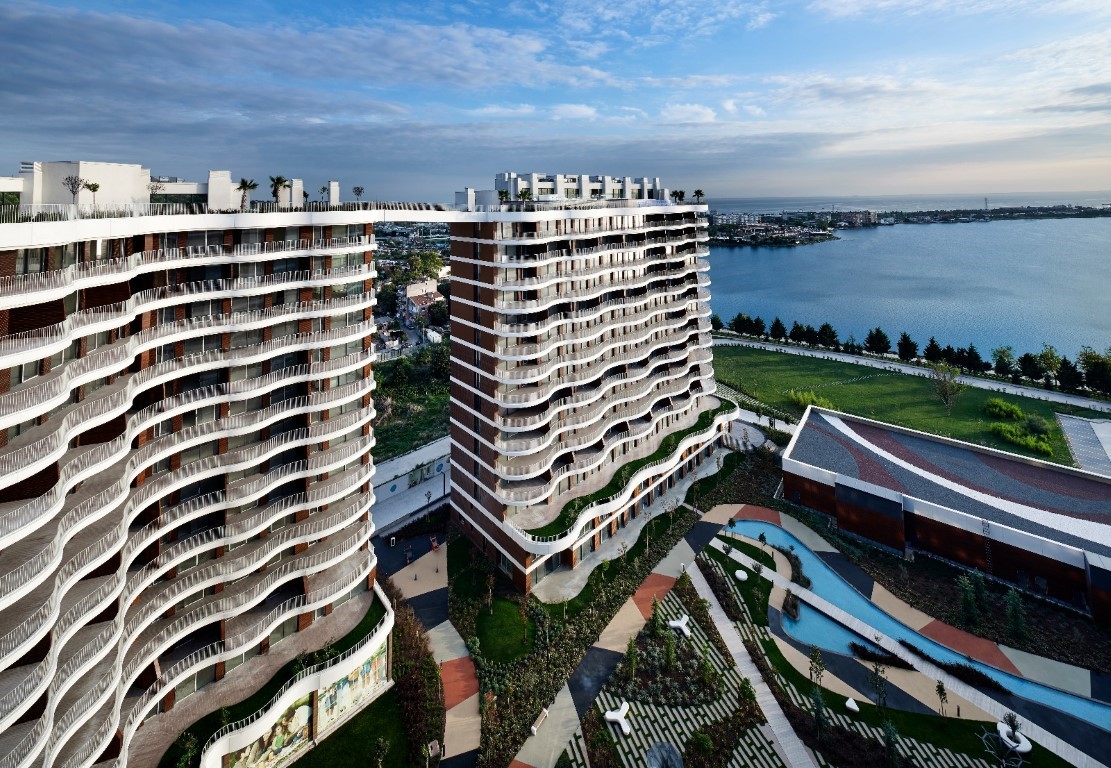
(350, 746)
(204, 728)
(951, 733)
(900, 399)
(757, 606)
(500, 633)
(420, 417)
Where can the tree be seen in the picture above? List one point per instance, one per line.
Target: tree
(810, 335)
(93, 187)
(969, 610)
(778, 329)
(74, 184)
(980, 590)
(851, 347)
(245, 187)
(1031, 367)
(1049, 359)
(381, 749)
(798, 333)
(524, 195)
(741, 323)
(877, 679)
(1097, 369)
(323, 192)
(972, 360)
(907, 347)
(1013, 724)
(155, 188)
(357, 192)
(698, 195)
(758, 327)
(670, 656)
(715, 322)
(1016, 615)
(277, 184)
(1003, 359)
(827, 336)
(818, 706)
(681, 195)
(942, 697)
(1069, 377)
(489, 589)
(947, 385)
(503, 195)
(386, 297)
(877, 342)
(890, 742)
(763, 539)
(438, 313)
(732, 524)
(932, 352)
(817, 666)
(632, 656)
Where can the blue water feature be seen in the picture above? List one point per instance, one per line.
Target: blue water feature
(815, 628)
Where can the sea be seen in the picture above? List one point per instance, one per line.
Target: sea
(1007, 282)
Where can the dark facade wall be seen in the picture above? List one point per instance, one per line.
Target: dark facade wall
(872, 517)
(809, 493)
(36, 316)
(36, 485)
(960, 546)
(1063, 581)
(1099, 593)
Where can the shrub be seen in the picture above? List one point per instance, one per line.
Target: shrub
(1017, 435)
(803, 398)
(797, 576)
(963, 672)
(868, 653)
(699, 611)
(600, 749)
(1036, 425)
(998, 408)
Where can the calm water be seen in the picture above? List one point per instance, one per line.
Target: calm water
(1022, 283)
(948, 202)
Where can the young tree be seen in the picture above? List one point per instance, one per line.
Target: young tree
(818, 706)
(932, 352)
(890, 743)
(907, 347)
(1016, 615)
(877, 342)
(763, 539)
(947, 385)
(245, 187)
(1003, 360)
(74, 184)
(778, 330)
(1031, 367)
(381, 749)
(1049, 360)
(358, 192)
(877, 679)
(1069, 376)
(969, 610)
(670, 656)
(489, 591)
(632, 657)
(93, 187)
(980, 589)
(817, 666)
(827, 336)
(715, 322)
(942, 697)
(277, 184)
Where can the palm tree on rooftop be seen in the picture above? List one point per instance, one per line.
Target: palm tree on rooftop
(524, 195)
(323, 192)
(503, 195)
(245, 186)
(93, 187)
(277, 184)
(698, 195)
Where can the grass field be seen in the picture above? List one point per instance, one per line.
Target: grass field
(351, 746)
(417, 417)
(907, 401)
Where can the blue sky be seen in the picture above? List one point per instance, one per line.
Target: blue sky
(414, 100)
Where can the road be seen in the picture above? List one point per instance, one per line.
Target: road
(913, 370)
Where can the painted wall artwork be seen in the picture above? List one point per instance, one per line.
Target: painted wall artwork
(353, 691)
(281, 742)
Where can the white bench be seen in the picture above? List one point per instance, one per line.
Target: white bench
(741, 575)
(681, 625)
(540, 720)
(618, 716)
(852, 706)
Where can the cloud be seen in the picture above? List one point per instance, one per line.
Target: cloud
(687, 113)
(573, 112)
(504, 110)
(962, 7)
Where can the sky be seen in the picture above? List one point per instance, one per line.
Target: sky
(414, 100)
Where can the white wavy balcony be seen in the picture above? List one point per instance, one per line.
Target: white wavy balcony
(571, 289)
(86, 368)
(548, 324)
(97, 699)
(578, 233)
(41, 342)
(668, 319)
(523, 396)
(36, 288)
(653, 305)
(134, 500)
(636, 252)
(589, 393)
(605, 510)
(622, 393)
(24, 459)
(546, 467)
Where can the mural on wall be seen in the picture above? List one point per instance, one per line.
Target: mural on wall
(290, 734)
(422, 473)
(353, 691)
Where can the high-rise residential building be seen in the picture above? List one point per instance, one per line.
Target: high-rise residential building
(185, 446)
(582, 385)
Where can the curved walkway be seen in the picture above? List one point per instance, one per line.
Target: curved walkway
(914, 370)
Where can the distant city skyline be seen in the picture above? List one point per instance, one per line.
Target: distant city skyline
(413, 100)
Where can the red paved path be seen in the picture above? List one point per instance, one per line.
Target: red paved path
(970, 645)
(752, 512)
(460, 681)
(656, 585)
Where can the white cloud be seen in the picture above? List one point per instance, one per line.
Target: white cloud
(573, 112)
(730, 106)
(687, 113)
(754, 110)
(504, 110)
(962, 7)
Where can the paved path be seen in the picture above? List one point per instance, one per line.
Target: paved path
(791, 747)
(423, 583)
(985, 702)
(913, 370)
(1089, 441)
